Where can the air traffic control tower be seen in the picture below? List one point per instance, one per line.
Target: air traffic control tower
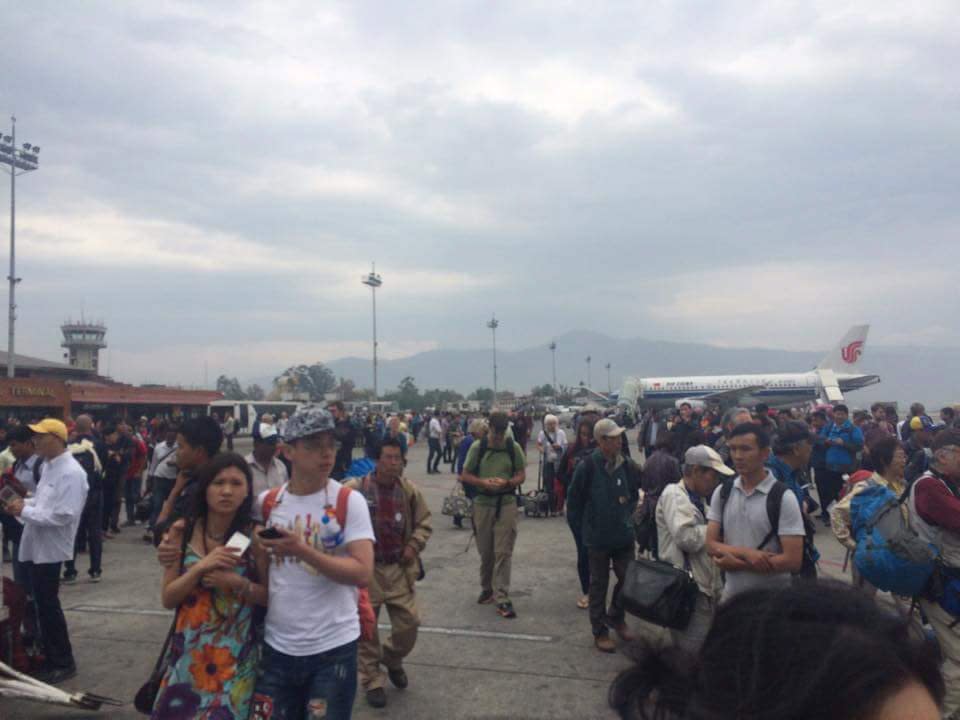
(84, 341)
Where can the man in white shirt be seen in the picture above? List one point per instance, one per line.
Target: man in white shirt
(308, 666)
(682, 537)
(162, 473)
(50, 521)
(740, 536)
(267, 469)
(434, 433)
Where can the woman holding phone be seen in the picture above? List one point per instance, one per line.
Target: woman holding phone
(212, 657)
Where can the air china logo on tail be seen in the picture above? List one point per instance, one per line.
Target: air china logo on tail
(851, 353)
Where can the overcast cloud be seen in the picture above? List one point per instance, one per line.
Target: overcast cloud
(216, 177)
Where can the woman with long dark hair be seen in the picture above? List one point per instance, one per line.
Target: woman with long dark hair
(212, 658)
(581, 448)
(809, 650)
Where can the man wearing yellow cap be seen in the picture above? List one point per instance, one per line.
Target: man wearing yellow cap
(50, 520)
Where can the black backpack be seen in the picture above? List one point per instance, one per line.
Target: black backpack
(808, 568)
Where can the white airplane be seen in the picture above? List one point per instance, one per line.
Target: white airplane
(835, 375)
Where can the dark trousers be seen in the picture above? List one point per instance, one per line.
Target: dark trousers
(90, 533)
(600, 562)
(549, 474)
(434, 456)
(829, 483)
(131, 495)
(230, 442)
(45, 583)
(110, 501)
(583, 561)
(158, 496)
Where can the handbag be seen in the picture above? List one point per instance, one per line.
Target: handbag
(146, 696)
(659, 593)
(457, 503)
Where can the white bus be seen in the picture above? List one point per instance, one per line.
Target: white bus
(246, 412)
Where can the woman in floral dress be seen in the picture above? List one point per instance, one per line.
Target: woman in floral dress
(212, 657)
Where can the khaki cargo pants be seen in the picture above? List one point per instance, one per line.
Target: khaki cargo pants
(495, 540)
(949, 640)
(393, 586)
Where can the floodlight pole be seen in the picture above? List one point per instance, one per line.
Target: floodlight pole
(609, 386)
(373, 281)
(589, 379)
(553, 353)
(25, 160)
(493, 324)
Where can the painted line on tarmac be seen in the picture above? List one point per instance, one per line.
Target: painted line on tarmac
(456, 632)
(462, 632)
(118, 610)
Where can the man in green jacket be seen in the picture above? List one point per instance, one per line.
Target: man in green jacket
(601, 501)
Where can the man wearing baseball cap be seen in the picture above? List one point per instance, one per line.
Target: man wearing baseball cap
(603, 496)
(682, 536)
(50, 521)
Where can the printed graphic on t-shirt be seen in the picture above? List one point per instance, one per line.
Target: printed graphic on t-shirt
(321, 533)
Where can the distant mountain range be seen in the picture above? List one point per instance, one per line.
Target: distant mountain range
(929, 375)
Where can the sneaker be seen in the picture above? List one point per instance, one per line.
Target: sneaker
(95, 576)
(486, 597)
(505, 610)
(603, 643)
(69, 578)
(398, 678)
(148, 537)
(377, 698)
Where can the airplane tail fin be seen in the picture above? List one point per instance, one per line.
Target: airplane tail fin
(848, 352)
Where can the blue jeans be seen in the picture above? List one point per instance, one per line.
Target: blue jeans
(308, 687)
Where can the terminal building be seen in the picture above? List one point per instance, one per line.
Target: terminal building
(43, 388)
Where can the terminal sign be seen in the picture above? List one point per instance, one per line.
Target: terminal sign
(28, 391)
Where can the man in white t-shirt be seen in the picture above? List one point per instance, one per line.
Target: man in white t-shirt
(309, 662)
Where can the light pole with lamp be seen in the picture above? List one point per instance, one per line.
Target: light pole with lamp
(553, 352)
(22, 159)
(589, 379)
(493, 324)
(609, 386)
(373, 281)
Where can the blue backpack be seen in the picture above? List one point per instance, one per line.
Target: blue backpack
(889, 554)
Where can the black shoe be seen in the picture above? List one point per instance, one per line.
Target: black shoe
(69, 578)
(377, 698)
(398, 678)
(55, 676)
(486, 597)
(95, 576)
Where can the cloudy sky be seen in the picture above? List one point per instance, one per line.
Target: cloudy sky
(216, 177)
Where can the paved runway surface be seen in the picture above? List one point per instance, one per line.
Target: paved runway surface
(468, 662)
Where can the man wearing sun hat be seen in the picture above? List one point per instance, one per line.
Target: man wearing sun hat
(50, 521)
(682, 536)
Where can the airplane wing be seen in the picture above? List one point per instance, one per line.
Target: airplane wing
(731, 395)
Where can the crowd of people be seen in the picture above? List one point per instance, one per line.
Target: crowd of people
(277, 564)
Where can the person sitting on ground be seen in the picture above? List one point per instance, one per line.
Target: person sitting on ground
(819, 651)
(212, 661)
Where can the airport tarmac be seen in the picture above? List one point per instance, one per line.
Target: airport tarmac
(468, 662)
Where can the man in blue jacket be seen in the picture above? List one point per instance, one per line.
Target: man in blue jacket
(603, 495)
(843, 440)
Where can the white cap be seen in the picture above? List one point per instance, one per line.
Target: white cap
(705, 456)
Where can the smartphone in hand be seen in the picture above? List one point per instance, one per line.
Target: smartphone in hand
(270, 533)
